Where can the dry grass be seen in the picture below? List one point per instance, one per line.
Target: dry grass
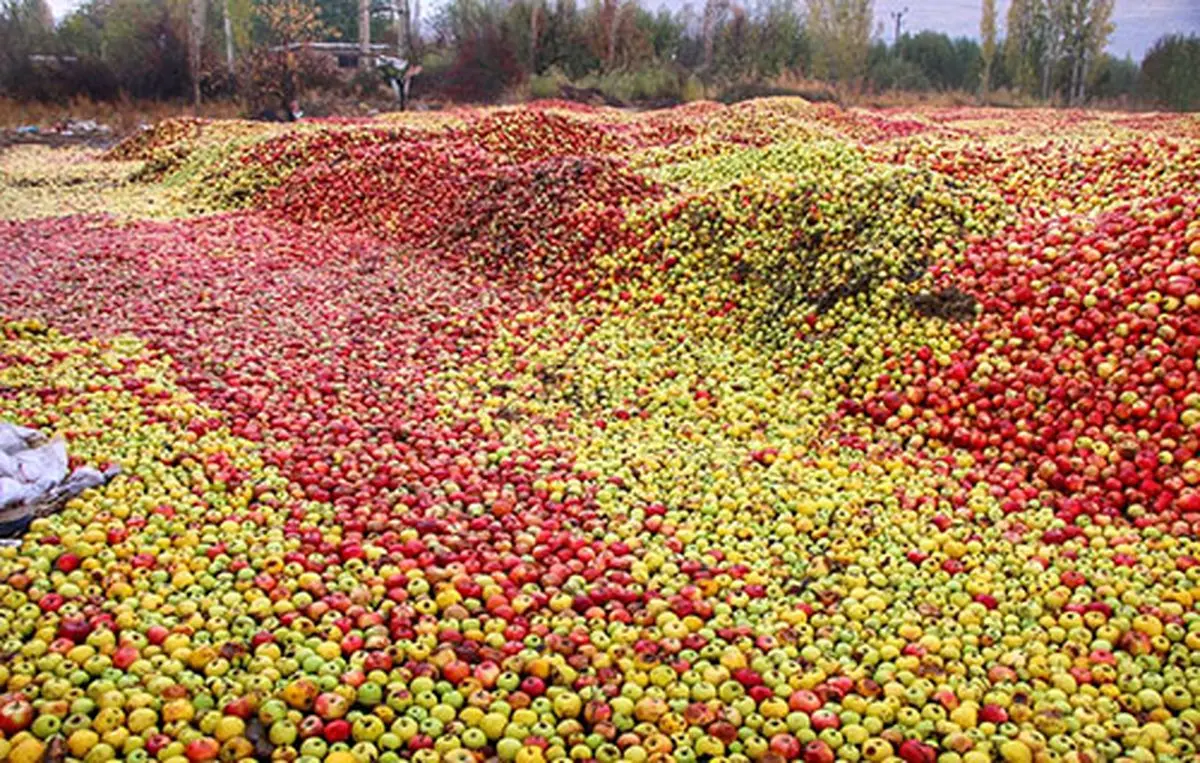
(1002, 99)
(122, 116)
(857, 96)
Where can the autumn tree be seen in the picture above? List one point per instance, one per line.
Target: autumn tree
(276, 67)
(987, 46)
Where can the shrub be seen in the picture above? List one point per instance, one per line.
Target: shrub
(547, 85)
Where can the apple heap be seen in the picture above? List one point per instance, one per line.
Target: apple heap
(558, 432)
(1048, 173)
(1077, 384)
(38, 181)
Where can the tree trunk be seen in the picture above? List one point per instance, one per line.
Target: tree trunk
(228, 24)
(535, 20)
(613, 20)
(195, 41)
(414, 31)
(1047, 72)
(400, 8)
(364, 33)
(1081, 84)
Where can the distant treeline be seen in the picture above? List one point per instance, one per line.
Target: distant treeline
(479, 50)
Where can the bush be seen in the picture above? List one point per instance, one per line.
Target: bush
(693, 89)
(87, 78)
(745, 91)
(483, 70)
(655, 84)
(894, 73)
(548, 85)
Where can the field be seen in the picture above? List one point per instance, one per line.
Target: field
(765, 432)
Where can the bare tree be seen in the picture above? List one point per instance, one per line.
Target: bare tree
(714, 16)
(407, 16)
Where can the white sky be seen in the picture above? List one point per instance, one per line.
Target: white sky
(1139, 22)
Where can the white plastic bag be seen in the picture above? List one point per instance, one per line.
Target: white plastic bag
(13, 492)
(8, 465)
(46, 465)
(14, 438)
(30, 474)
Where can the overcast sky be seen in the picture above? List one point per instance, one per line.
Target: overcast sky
(1139, 22)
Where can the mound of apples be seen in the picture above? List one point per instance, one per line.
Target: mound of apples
(766, 432)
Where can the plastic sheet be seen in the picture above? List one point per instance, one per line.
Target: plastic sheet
(34, 470)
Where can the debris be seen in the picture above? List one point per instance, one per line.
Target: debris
(952, 304)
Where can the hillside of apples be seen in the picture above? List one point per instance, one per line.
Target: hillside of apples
(762, 432)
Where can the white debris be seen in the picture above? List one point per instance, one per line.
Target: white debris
(34, 471)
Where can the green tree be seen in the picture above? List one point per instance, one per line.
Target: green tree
(1168, 76)
(1080, 30)
(945, 64)
(1115, 78)
(841, 36)
(1027, 43)
(780, 39)
(141, 43)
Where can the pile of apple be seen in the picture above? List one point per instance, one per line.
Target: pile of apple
(766, 432)
(1078, 383)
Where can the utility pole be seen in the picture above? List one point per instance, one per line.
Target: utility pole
(898, 16)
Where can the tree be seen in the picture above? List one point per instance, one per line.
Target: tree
(987, 46)
(927, 60)
(841, 35)
(1115, 78)
(1070, 36)
(1089, 51)
(780, 39)
(274, 70)
(734, 45)
(198, 14)
(364, 33)
(26, 26)
(1168, 76)
(1026, 45)
(139, 46)
(714, 17)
